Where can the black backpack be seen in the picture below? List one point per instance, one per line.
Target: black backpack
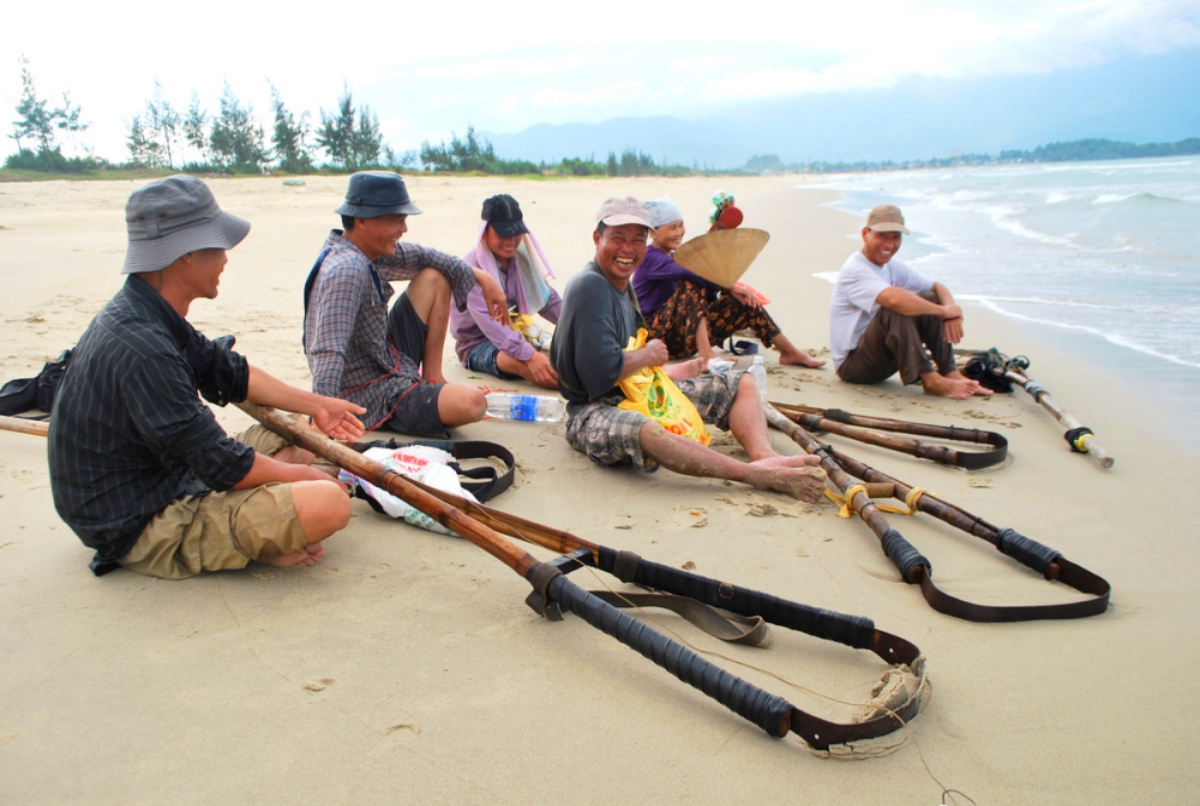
(24, 394)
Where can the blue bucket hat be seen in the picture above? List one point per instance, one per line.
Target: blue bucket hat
(375, 193)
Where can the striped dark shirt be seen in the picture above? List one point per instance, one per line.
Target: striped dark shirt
(129, 434)
(345, 327)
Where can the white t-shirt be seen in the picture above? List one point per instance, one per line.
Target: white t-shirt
(853, 304)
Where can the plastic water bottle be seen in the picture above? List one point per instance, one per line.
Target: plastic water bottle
(759, 373)
(537, 408)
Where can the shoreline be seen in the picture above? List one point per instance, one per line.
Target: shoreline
(405, 666)
(1162, 385)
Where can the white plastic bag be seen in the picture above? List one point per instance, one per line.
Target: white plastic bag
(425, 464)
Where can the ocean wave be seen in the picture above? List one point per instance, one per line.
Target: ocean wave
(1112, 198)
(1115, 198)
(1107, 335)
(1002, 217)
(1186, 311)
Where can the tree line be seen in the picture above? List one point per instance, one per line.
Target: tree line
(230, 139)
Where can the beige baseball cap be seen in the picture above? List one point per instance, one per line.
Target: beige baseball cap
(886, 218)
(628, 210)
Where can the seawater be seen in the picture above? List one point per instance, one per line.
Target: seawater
(1105, 251)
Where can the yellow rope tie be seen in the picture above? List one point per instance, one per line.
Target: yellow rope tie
(845, 498)
(910, 500)
(1081, 444)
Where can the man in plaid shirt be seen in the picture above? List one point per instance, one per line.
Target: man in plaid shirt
(390, 362)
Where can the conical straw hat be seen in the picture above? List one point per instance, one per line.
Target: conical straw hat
(722, 257)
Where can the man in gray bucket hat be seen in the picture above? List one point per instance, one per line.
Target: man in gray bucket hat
(139, 467)
(389, 361)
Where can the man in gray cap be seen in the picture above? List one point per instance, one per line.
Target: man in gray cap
(884, 317)
(359, 350)
(599, 315)
(139, 467)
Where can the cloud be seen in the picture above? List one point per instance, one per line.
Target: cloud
(437, 73)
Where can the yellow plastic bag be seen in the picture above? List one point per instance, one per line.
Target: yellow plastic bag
(652, 393)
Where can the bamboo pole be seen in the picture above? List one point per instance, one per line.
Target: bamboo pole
(38, 428)
(771, 713)
(1086, 443)
(869, 431)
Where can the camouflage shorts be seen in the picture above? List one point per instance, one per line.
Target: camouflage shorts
(609, 435)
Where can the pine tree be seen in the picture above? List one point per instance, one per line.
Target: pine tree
(288, 137)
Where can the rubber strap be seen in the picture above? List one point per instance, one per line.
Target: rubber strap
(732, 628)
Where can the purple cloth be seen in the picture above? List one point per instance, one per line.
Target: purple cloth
(472, 326)
(656, 279)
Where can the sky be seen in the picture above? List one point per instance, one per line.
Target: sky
(428, 72)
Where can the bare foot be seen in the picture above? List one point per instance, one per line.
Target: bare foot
(959, 387)
(309, 556)
(779, 460)
(803, 483)
(799, 358)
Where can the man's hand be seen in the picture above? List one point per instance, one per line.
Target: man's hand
(953, 330)
(952, 321)
(541, 370)
(653, 354)
(493, 295)
(336, 418)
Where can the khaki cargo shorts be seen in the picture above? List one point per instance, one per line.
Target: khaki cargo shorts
(222, 530)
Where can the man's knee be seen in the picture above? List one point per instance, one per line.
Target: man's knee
(460, 403)
(323, 508)
(428, 292)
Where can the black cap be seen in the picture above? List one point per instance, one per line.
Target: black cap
(504, 215)
(375, 193)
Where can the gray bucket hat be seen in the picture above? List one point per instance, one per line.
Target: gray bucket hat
(375, 193)
(170, 217)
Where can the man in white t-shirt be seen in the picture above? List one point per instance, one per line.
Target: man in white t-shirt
(886, 318)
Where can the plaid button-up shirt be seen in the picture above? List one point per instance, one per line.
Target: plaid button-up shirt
(345, 325)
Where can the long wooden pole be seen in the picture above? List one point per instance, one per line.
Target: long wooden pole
(862, 429)
(22, 426)
(1085, 443)
(381, 476)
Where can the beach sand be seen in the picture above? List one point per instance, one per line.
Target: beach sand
(406, 667)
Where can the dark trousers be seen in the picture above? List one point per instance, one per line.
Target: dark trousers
(895, 342)
(677, 321)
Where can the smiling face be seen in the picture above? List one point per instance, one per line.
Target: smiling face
(503, 248)
(880, 247)
(668, 237)
(620, 250)
(377, 237)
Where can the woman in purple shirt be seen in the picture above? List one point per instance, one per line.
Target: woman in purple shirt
(691, 314)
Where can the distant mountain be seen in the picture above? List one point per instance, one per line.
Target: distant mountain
(1135, 99)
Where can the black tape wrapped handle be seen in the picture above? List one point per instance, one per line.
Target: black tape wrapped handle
(904, 554)
(771, 713)
(853, 631)
(1030, 552)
